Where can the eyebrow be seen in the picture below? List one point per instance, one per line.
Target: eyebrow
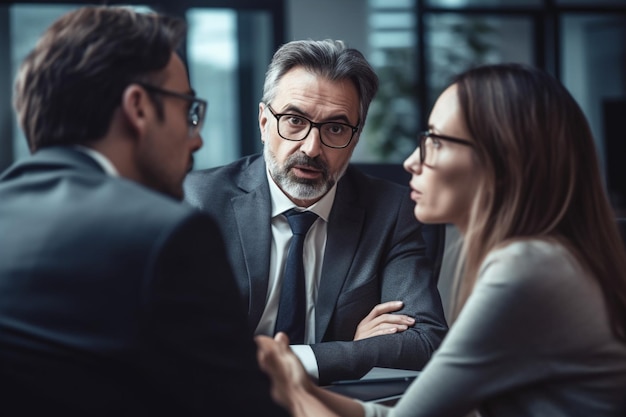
(335, 118)
(435, 131)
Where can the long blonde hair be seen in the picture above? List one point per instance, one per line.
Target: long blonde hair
(541, 178)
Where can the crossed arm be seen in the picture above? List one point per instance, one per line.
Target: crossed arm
(292, 387)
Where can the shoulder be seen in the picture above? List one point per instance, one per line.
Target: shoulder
(204, 187)
(230, 170)
(371, 186)
(532, 254)
(162, 225)
(133, 210)
(383, 200)
(384, 204)
(526, 286)
(526, 265)
(537, 293)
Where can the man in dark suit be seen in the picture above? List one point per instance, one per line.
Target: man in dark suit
(363, 255)
(107, 307)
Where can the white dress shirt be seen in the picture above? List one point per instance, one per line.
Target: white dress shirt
(102, 160)
(313, 256)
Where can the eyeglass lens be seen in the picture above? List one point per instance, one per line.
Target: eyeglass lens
(431, 142)
(333, 134)
(422, 146)
(428, 149)
(195, 117)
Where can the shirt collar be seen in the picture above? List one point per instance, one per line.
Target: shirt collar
(104, 162)
(282, 203)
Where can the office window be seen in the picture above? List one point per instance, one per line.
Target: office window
(594, 3)
(456, 42)
(593, 66)
(389, 133)
(412, 76)
(484, 3)
(227, 52)
(27, 23)
(213, 63)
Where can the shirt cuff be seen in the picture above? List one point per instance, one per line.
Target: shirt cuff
(307, 357)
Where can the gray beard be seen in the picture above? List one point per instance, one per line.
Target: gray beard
(298, 188)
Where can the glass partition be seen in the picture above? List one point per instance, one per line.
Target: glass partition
(455, 42)
(484, 3)
(593, 56)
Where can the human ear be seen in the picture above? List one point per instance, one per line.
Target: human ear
(263, 122)
(136, 107)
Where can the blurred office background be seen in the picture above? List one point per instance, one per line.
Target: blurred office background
(415, 46)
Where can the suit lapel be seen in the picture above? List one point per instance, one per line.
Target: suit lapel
(253, 215)
(344, 229)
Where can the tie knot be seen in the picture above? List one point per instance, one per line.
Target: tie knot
(300, 221)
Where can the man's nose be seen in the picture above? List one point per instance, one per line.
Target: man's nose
(312, 143)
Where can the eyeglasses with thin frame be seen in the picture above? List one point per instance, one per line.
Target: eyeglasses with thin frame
(296, 128)
(196, 112)
(427, 140)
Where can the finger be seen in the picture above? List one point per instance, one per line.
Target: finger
(264, 347)
(389, 306)
(394, 319)
(391, 328)
(260, 343)
(386, 307)
(261, 339)
(373, 333)
(381, 329)
(282, 339)
(379, 309)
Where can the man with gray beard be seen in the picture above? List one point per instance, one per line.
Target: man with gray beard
(367, 295)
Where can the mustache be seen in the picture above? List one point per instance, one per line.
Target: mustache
(305, 160)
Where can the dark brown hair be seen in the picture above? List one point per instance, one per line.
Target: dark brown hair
(68, 87)
(541, 177)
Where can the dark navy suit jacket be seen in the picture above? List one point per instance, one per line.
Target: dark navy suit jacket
(116, 300)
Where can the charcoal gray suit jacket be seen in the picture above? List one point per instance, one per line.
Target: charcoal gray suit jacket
(116, 300)
(374, 253)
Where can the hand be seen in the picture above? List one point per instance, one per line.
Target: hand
(292, 387)
(378, 322)
(283, 367)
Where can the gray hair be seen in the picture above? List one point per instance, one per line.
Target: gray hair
(331, 59)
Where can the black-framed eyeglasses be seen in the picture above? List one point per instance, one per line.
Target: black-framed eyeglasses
(197, 108)
(295, 127)
(428, 145)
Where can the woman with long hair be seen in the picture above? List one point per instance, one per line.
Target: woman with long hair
(539, 326)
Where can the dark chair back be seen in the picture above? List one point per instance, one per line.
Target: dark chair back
(433, 234)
